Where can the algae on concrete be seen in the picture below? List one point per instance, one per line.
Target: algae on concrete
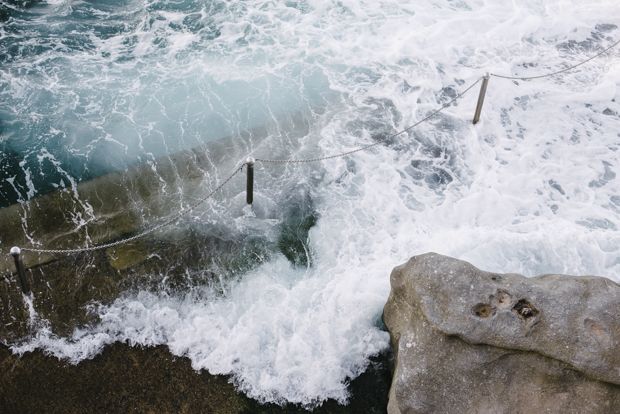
(124, 203)
(152, 380)
(64, 289)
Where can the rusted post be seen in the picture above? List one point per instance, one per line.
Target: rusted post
(16, 252)
(250, 187)
(483, 90)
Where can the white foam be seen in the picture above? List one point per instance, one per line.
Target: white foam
(286, 337)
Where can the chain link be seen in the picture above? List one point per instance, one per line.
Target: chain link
(560, 71)
(159, 226)
(376, 143)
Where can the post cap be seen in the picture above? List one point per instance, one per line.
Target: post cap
(249, 161)
(486, 75)
(15, 251)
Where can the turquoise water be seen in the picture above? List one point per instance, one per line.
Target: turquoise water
(88, 88)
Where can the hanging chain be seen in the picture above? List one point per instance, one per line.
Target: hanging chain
(159, 226)
(202, 200)
(376, 143)
(187, 210)
(560, 71)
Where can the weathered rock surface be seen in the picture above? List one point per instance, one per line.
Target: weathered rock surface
(469, 341)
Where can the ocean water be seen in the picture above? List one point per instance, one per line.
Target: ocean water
(91, 87)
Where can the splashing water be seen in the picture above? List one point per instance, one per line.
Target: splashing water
(87, 88)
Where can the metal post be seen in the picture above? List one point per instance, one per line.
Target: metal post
(483, 90)
(250, 188)
(16, 252)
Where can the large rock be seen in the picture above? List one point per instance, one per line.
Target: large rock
(469, 341)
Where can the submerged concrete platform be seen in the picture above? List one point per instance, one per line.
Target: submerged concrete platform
(175, 259)
(123, 203)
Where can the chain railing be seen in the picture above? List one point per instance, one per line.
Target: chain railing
(144, 233)
(249, 162)
(558, 72)
(380, 141)
(486, 77)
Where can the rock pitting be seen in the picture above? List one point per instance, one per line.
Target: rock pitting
(466, 340)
